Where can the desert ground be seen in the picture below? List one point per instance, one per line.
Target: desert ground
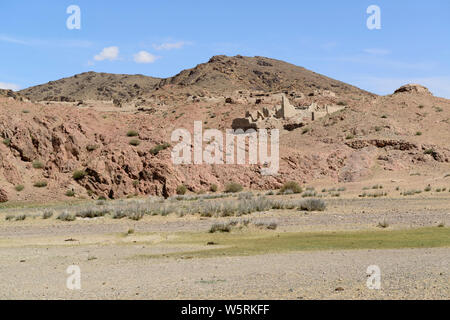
(285, 253)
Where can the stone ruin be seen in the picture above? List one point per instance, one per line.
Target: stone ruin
(286, 113)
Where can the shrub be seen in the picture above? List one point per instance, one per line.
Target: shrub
(428, 189)
(119, 214)
(91, 147)
(293, 186)
(341, 103)
(309, 194)
(418, 133)
(79, 175)
(136, 216)
(47, 214)
(19, 187)
(70, 193)
(40, 184)
(21, 217)
(312, 205)
(7, 142)
(66, 216)
(160, 147)
(132, 133)
(233, 188)
(213, 188)
(220, 227)
(384, 224)
(38, 164)
(181, 190)
(349, 137)
(266, 225)
(411, 192)
(135, 142)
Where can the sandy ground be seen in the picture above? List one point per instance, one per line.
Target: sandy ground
(35, 254)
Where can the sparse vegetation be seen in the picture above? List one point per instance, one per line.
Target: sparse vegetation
(40, 184)
(411, 192)
(20, 217)
(312, 205)
(66, 216)
(309, 194)
(233, 187)
(160, 147)
(220, 227)
(79, 175)
(7, 142)
(383, 224)
(38, 164)
(181, 190)
(132, 133)
(91, 147)
(47, 214)
(70, 193)
(135, 142)
(293, 186)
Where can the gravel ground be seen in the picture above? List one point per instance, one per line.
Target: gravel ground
(405, 274)
(35, 253)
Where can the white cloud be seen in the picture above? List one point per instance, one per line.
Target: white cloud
(144, 57)
(9, 86)
(109, 53)
(377, 51)
(171, 45)
(48, 43)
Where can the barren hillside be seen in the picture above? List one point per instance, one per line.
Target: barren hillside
(50, 149)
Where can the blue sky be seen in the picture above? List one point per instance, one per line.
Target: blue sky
(160, 38)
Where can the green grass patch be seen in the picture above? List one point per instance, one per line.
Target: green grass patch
(245, 244)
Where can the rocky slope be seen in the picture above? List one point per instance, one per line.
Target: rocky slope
(92, 86)
(220, 75)
(46, 144)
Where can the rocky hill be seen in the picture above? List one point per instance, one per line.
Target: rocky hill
(92, 86)
(49, 149)
(220, 75)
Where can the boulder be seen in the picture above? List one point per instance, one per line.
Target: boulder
(413, 88)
